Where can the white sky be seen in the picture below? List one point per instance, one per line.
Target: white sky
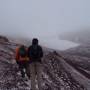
(43, 17)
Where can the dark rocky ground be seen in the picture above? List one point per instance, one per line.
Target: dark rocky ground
(60, 71)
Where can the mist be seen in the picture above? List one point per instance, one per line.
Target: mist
(43, 18)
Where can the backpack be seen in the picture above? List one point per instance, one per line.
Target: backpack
(22, 51)
(35, 52)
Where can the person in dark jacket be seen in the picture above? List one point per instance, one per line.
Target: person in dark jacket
(35, 53)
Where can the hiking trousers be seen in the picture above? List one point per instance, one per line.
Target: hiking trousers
(26, 66)
(36, 69)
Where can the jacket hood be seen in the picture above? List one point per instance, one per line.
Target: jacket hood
(35, 41)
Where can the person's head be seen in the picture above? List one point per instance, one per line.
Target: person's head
(35, 41)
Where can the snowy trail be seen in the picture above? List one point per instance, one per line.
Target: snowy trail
(77, 75)
(60, 74)
(59, 77)
(82, 71)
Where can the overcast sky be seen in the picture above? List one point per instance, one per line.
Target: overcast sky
(43, 17)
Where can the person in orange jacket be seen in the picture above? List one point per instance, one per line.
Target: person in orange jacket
(23, 61)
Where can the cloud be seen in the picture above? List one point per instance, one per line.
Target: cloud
(41, 18)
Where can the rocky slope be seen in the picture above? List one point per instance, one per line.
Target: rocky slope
(58, 71)
(82, 50)
(80, 36)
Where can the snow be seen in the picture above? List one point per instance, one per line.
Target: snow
(78, 76)
(57, 74)
(56, 43)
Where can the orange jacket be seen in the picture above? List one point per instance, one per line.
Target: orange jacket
(19, 58)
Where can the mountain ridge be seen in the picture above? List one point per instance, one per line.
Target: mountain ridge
(81, 36)
(57, 73)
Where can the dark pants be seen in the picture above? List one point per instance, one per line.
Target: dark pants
(24, 65)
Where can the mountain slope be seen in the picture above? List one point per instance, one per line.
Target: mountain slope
(57, 73)
(61, 74)
(82, 50)
(81, 36)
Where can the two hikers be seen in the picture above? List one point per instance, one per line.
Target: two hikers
(31, 62)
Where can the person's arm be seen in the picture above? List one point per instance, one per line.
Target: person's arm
(28, 51)
(28, 55)
(17, 55)
(41, 52)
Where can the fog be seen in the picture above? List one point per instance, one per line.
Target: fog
(43, 18)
